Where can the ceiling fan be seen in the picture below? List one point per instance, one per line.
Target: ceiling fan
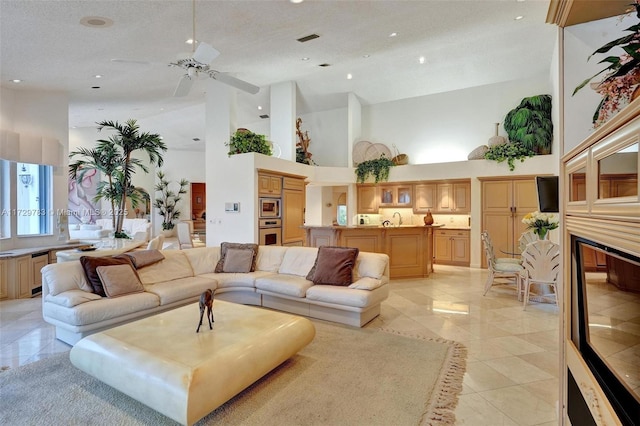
(197, 64)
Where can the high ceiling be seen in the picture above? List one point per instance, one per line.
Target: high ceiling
(464, 44)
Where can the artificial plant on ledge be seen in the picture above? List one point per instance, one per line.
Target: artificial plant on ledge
(244, 140)
(378, 168)
(167, 202)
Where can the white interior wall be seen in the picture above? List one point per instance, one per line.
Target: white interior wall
(44, 114)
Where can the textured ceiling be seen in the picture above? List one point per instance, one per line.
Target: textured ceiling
(465, 44)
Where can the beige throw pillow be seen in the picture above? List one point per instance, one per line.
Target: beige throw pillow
(118, 280)
(224, 247)
(238, 260)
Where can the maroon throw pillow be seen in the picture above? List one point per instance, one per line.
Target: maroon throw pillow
(334, 266)
(90, 265)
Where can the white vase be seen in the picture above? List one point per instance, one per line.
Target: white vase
(168, 233)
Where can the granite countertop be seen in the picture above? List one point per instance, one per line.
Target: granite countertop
(456, 228)
(9, 254)
(435, 225)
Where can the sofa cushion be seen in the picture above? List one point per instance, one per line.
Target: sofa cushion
(371, 265)
(119, 280)
(289, 285)
(334, 266)
(298, 261)
(65, 276)
(175, 265)
(346, 296)
(226, 280)
(142, 258)
(270, 258)
(203, 260)
(90, 265)
(180, 289)
(240, 246)
(238, 260)
(84, 227)
(71, 298)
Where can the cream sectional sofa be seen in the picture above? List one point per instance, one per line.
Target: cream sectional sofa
(278, 282)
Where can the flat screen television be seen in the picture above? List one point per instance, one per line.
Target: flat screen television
(547, 187)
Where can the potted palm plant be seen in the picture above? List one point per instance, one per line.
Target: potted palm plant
(167, 201)
(113, 157)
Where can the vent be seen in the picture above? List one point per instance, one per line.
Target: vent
(308, 38)
(263, 116)
(324, 65)
(196, 139)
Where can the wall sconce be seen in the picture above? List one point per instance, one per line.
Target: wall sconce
(25, 177)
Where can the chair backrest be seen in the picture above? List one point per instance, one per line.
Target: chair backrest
(154, 243)
(525, 239)
(488, 249)
(541, 259)
(184, 234)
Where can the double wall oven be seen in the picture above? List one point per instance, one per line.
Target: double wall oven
(270, 223)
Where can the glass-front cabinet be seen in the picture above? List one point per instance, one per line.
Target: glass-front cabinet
(395, 196)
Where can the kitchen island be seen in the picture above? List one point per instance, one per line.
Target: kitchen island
(410, 248)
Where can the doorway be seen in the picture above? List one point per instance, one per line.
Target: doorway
(198, 206)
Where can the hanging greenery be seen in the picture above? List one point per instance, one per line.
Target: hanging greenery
(509, 151)
(378, 168)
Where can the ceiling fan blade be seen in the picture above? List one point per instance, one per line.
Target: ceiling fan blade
(205, 53)
(234, 82)
(184, 86)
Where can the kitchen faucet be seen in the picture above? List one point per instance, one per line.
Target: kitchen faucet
(400, 216)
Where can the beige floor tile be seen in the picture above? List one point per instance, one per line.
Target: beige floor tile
(474, 410)
(480, 377)
(518, 369)
(520, 405)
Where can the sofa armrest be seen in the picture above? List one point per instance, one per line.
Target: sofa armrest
(366, 283)
(71, 298)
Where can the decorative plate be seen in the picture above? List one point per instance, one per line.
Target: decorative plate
(359, 150)
(376, 151)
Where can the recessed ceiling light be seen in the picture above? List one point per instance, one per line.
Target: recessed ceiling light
(394, 34)
(519, 17)
(296, 1)
(16, 80)
(366, 56)
(190, 41)
(305, 58)
(259, 108)
(421, 60)
(96, 22)
(349, 76)
(98, 76)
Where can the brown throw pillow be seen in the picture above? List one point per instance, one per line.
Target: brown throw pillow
(238, 260)
(141, 258)
(334, 266)
(89, 264)
(226, 246)
(118, 280)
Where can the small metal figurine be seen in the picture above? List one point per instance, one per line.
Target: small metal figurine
(206, 301)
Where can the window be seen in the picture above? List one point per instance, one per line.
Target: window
(33, 199)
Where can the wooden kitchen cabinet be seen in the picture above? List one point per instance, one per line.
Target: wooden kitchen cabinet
(4, 291)
(453, 197)
(424, 197)
(395, 196)
(269, 185)
(367, 199)
(293, 205)
(452, 247)
(22, 274)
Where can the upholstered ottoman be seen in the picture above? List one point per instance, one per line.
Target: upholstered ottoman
(162, 362)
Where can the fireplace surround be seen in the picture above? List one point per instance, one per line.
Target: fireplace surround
(601, 258)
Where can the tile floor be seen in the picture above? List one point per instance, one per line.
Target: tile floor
(512, 363)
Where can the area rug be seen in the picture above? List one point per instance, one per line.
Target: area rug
(346, 376)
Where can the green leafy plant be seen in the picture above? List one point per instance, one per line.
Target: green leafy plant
(509, 151)
(530, 124)
(623, 73)
(167, 202)
(378, 168)
(113, 157)
(245, 140)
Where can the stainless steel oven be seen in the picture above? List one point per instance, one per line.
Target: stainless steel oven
(269, 208)
(270, 232)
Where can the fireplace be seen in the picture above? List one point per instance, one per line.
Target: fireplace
(605, 323)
